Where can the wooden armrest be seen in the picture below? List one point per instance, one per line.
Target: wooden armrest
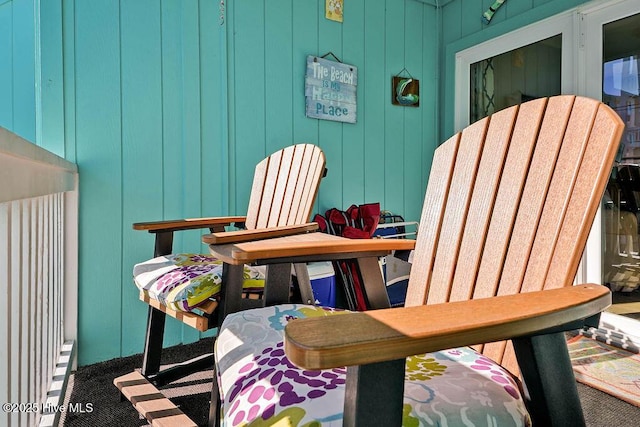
(264, 233)
(187, 224)
(390, 334)
(295, 248)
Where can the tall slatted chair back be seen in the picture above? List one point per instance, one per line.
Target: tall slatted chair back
(508, 209)
(284, 188)
(510, 203)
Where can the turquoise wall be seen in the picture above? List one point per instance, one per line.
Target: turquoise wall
(383, 157)
(166, 106)
(18, 67)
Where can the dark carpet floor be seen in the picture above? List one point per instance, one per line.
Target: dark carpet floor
(94, 384)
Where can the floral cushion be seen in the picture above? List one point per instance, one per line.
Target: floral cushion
(184, 281)
(259, 386)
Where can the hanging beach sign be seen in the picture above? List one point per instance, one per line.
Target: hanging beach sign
(330, 89)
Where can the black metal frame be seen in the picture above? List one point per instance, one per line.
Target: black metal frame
(551, 392)
(152, 355)
(374, 394)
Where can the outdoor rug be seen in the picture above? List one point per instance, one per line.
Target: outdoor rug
(607, 368)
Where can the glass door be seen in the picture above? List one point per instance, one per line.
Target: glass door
(519, 75)
(612, 51)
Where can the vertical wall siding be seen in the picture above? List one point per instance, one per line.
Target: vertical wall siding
(380, 158)
(142, 107)
(17, 67)
(52, 136)
(99, 151)
(6, 66)
(166, 106)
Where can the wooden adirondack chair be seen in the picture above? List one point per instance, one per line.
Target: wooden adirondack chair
(507, 212)
(284, 188)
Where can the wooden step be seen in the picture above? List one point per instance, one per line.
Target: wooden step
(150, 403)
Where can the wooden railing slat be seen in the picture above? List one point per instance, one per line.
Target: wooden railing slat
(5, 313)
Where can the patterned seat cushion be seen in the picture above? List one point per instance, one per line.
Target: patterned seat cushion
(259, 386)
(184, 281)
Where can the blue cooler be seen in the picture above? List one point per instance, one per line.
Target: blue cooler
(396, 274)
(323, 283)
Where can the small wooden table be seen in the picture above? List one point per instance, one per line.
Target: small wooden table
(279, 253)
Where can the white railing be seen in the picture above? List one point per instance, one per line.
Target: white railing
(38, 280)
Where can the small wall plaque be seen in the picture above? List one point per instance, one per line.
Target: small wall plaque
(405, 91)
(333, 10)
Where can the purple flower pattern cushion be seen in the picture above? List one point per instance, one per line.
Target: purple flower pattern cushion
(184, 281)
(259, 386)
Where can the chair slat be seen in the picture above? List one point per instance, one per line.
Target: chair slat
(294, 177)
(462, 183)
(255, 200)
(281, 184)
(596, 163)
(479, 212)
(531, 204)
(507, 201)
(269, 189)
(516, 167)
(436, 196)
(310, 189)
(562, 183)
(299, 193)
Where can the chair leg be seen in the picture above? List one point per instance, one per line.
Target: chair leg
(152, 355)
(374, 394)
(156, 318)
(153, 342)
(549, 381)
(231, 294)
(373, 282)
(216, 404)
(277, 284)
(304, 283)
